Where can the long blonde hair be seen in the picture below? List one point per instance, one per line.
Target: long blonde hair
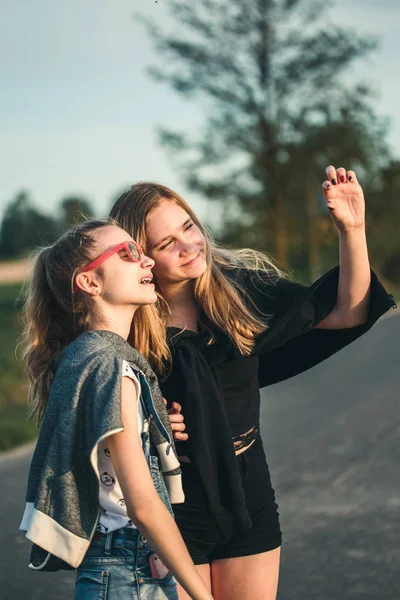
(217, 295)
(53, 315)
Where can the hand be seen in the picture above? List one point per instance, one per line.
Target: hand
(177, 422)
(344, 199)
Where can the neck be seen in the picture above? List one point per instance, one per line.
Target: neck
(179, 294)
(183, 305)
(118, 321)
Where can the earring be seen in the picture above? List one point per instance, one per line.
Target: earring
(97, 291)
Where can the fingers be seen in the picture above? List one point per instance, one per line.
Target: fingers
(336, 177)
(178, 428)
(341, 175)
(177, 422)
(329, 195)
(174, 418)
(331, 174)
(351, 177)
(180, 437)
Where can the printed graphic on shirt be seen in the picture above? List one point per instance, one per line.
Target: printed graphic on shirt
(113, 514)
(107, 479)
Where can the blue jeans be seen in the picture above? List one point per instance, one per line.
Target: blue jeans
(118, 566)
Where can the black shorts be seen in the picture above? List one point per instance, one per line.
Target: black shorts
(200, 532)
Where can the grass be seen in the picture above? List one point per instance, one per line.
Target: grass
(15, 429)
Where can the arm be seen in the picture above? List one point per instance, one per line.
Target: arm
(145, 507)
(345, 200)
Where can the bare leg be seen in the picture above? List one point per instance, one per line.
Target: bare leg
(205, 574)
(246, 577)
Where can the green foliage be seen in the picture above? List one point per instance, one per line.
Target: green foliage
(383, 222)
(75, 210)
(14, 426)
(15, 429)
(269, 76)
(24, 227)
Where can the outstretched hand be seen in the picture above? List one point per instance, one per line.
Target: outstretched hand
(177, 422)
(344, 198)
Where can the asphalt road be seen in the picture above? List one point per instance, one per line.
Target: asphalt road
(332, 437)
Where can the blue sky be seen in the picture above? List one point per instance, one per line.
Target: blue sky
(78, 112)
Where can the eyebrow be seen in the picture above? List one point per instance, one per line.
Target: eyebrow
(168, 236)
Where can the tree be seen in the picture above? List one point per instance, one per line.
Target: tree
(24, 227)
(383, 222)
(74, 210)
(269, 76)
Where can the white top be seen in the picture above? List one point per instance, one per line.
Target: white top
(113, 513)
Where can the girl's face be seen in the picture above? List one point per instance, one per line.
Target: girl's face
(176, 244)
(123, 282)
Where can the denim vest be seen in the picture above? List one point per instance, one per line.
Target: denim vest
(152, 459)
(149, 449)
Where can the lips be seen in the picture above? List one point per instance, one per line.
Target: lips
(147, 279)
(191, 262)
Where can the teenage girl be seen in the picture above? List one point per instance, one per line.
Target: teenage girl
(104, 470)
(234, 324)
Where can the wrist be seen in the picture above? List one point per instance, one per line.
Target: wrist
(351, 232)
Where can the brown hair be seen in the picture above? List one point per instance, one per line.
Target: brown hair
(217, 295)
(53, 315)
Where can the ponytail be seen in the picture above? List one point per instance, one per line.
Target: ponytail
(53, 315)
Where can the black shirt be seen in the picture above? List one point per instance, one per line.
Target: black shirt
(218, 388)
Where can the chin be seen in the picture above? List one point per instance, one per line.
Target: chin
(150, 298)
(201, 269)
(197, 269)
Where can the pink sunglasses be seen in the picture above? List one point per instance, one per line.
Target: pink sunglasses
(133, 250)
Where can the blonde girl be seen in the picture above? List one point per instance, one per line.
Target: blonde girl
(234, 324)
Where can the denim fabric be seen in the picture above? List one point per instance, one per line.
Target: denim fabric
(149, 449)
(117, 567)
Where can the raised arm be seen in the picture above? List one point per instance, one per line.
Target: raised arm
(145, 507)
(345, 200)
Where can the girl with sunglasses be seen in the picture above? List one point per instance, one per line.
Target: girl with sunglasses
(235, 324)
(104, 472)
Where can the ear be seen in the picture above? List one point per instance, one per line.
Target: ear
(88, 282)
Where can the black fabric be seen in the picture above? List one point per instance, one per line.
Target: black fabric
(292, 344)
(206, 419)
(199, 531)
(205, 378)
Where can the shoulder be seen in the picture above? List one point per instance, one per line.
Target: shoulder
(128, 371)
(251, 278)
(272, 294)
(89, 342)
(255, 282)
(89, 354)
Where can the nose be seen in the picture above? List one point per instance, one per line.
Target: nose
(188, 248)
(147, 262)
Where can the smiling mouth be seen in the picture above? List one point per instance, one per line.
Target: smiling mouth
(188, 264)
(146, 281)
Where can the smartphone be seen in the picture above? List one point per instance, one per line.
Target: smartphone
(157, 568)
